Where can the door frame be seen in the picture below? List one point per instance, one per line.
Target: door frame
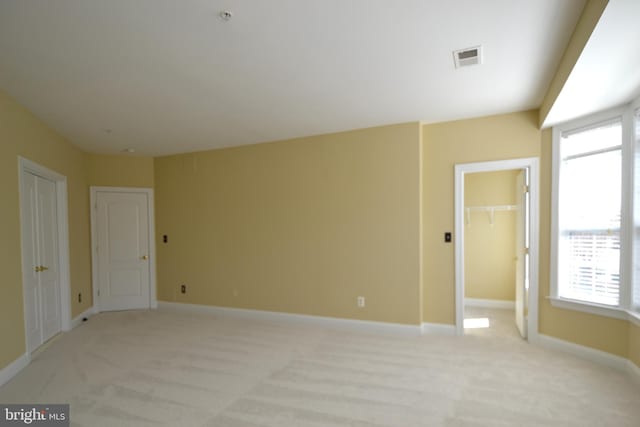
(94, 190)
(27, 166)
(533, 163)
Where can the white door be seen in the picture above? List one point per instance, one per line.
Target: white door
(522, 256)
(122, 231)
(42, 281)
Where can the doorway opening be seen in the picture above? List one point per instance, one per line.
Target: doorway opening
(496, 252)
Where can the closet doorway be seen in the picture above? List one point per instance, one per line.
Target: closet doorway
(45, 259)
(497, 247)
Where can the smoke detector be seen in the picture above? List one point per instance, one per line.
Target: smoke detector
(467, 57)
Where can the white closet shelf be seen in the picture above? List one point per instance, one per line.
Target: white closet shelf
(491, 209)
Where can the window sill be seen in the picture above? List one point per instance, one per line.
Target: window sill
(587, 307)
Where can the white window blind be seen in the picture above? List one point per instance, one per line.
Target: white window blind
(589, 214)
(594, 266)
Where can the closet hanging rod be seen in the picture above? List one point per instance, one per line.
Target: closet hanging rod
(490, 208)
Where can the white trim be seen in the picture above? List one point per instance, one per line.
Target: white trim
(598, 309)
(588, 353)
(361, 325)
(153, 299)
(625, 115)
(626, 221)
(587, 307)
(28, 166)
(534, 212)
(12, 369)
(438, 329)
(634, 318)
(591, 121)
(555, 227)
(420, 223)
(77, 321)
(153, 302)
(490, 303)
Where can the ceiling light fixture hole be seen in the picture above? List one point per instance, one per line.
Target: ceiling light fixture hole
(226, 15)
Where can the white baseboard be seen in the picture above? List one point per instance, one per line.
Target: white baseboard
(361, 325)
(438, 329)
(584, 352)
(490, 303)
(78, 319)
(12, 369)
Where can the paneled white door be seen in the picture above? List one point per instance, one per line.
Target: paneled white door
(42, 281)
(123, 267)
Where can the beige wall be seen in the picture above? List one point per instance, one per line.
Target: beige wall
(603, 333)
(24, 135)
(119, 171)
(634, 343)
(499, 137)
(304, 225)
(299, 226)
(496, 138)
(490, 248)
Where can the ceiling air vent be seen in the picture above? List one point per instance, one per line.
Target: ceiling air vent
(467, 57)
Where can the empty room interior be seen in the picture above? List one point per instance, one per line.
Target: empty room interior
(329, 213)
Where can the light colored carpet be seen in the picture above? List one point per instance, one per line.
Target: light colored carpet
(502, 323)
(150, 368)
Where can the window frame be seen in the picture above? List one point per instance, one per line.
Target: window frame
(634, 220)
(623, 309)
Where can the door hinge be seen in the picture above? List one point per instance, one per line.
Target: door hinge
(525, 189)
(526, 251)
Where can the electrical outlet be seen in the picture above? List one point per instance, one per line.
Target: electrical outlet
(183, 289)
(80, 297)
(360, 302)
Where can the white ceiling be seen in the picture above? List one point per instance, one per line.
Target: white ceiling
(607, 74)
(167, 76)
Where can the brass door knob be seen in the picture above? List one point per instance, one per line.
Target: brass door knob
(145, 257)
(43, 268)
(37, 269)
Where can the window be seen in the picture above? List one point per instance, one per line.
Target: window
(595, 251)
(589, 213)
